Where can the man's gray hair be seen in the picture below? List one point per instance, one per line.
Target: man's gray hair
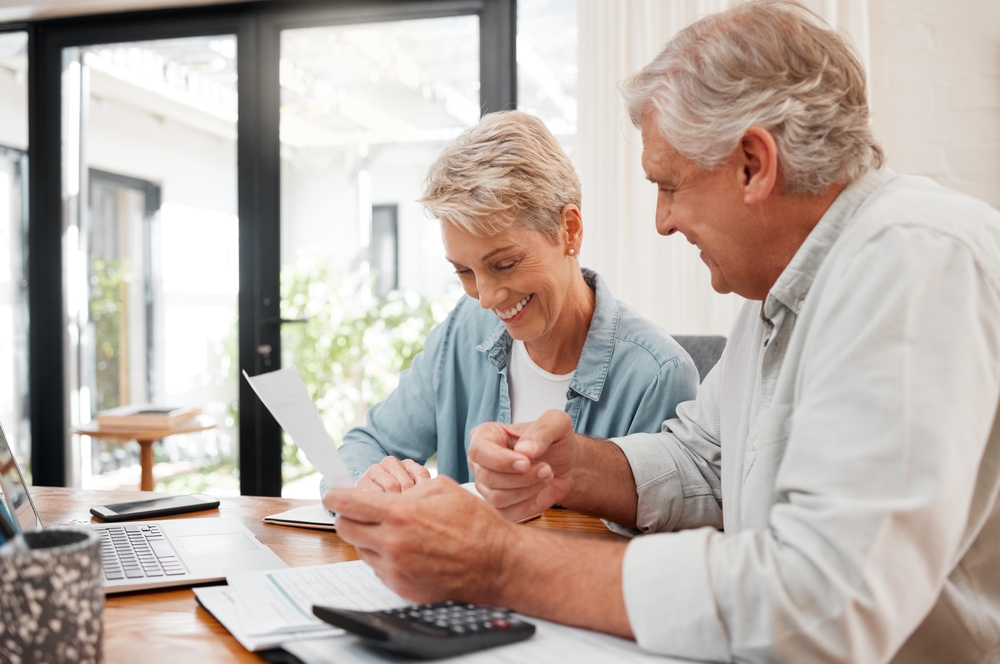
(769, 64)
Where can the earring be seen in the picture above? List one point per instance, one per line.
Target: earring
(572, 252)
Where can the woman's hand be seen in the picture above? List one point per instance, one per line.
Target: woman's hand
(391, 475)
(524, 469)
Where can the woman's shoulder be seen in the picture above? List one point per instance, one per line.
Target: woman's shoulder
(646, 338)
(635, 337)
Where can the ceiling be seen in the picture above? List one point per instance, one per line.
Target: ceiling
(21, 10)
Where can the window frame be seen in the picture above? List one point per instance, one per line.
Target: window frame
(257, 27)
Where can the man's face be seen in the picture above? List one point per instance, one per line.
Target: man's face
(707, 208)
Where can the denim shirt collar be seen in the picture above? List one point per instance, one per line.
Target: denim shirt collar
(793, 284)
(592, 369)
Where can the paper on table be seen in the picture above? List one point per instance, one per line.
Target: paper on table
(276, 601)
(285, 395)
(219, 601)
(307, 516)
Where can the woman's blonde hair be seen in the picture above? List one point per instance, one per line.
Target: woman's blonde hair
(507, 169)
(768, 64)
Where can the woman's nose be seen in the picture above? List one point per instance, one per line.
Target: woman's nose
(490, 293)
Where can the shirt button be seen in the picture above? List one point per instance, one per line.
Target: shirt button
(753, 444)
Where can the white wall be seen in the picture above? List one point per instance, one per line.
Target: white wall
(319, 209)
(935, 90)
(195, 169)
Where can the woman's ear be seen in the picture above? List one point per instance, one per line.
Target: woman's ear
(571, 228)
(758, 162)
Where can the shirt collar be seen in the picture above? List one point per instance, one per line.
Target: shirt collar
(592, 369)
(793, 284)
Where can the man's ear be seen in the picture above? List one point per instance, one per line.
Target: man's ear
(758, 160)
(571, 223)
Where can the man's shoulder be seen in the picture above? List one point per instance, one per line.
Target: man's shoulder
(913, 204)
(922, 203)
(643, 340)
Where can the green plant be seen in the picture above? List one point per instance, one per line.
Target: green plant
(353, 346)
(108, 290)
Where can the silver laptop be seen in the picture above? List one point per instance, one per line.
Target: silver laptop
(139, 555)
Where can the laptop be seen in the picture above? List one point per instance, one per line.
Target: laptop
(141, 555)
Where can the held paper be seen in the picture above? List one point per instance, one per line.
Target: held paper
(285, 395)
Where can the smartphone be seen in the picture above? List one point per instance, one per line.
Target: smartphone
(145, 509)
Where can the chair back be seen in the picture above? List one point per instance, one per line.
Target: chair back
(705, 350)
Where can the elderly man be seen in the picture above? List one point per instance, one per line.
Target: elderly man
(847, 442)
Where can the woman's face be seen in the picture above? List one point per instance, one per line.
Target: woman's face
(519, 274)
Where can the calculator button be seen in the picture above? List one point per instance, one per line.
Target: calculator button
(500, 624)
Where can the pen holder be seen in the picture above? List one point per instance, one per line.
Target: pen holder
(52, 598)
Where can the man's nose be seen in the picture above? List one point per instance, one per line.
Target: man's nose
(664, 223)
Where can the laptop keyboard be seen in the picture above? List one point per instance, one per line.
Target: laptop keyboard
(136, 552)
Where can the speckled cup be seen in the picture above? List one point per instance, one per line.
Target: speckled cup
(52, 598)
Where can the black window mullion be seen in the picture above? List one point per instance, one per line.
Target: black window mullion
(260, 258)
(49, 410)
(498, 56)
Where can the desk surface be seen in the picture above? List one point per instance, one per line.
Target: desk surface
(169, 626)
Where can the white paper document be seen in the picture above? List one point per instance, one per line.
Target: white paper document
(219, 601)
(285, 395)
(308, 516)
(280, 601)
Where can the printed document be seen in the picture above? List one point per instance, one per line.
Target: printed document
(281, 601)
(285, 395)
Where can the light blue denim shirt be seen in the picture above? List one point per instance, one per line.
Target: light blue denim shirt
(630, 378)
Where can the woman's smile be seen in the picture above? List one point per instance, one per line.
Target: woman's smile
(515, 313)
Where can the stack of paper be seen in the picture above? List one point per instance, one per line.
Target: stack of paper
(263, 609)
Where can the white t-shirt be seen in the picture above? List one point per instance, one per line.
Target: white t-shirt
(533, 390)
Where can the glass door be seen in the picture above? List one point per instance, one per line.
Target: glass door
(365, 110)
(150, 253)
(14, 401)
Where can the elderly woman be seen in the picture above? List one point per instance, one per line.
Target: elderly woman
(536, 331)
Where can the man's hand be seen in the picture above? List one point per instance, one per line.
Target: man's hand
(393, 476)
(438, 542)
(434, 543)
(524, 469)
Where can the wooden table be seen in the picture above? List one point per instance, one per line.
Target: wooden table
(146, 437)
(170, 626)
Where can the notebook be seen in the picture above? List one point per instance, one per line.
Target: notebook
(141, 555)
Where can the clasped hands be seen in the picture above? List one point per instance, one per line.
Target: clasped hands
(521, 469)
(429, 539)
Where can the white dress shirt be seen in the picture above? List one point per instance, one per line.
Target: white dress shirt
(846, 443)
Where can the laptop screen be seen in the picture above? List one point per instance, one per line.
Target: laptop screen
(15, 492)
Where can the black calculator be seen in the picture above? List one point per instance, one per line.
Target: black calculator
(429, 631)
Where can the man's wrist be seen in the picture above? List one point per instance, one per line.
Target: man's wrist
(582, 476)
(601, 482)
(506, 560)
